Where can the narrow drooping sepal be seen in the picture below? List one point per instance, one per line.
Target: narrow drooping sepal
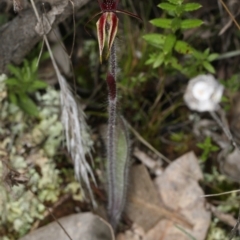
(129, 14)
(112, 31)
(101, 33)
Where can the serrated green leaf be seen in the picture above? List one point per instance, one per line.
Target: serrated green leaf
(155, 39)
(208, 66)
(162, 22)
(191, 23)
(169, 44)
(167, 6)
(191, 7)
(183, 47)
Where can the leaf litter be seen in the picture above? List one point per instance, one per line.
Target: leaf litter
(173, 208)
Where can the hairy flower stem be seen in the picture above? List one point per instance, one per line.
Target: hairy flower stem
(111, 136)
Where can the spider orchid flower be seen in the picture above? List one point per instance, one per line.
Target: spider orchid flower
(107, 25)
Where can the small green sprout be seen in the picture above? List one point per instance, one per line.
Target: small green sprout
(207, 148)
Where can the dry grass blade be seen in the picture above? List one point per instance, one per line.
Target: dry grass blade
(75, 128)
(73, 122)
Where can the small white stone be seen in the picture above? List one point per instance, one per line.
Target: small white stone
(203, 93)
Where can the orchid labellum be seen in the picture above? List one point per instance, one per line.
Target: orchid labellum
(107, 24)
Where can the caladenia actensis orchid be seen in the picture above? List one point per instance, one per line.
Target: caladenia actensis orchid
(107, 24)
(117, 136)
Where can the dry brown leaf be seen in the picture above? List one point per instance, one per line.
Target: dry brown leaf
(135, 233)
(47, 19)
(179, 190)
(143, 204)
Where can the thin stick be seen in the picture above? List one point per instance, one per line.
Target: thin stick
(74, 27)
(144, 142)
(230, 14)
(220, 194)
(225, 129)
(58, 222)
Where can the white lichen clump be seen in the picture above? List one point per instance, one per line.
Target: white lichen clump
(203, 93)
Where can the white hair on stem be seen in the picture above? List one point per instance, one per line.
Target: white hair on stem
(73, 123)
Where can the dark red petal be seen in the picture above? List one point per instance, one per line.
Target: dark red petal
(112, 21)
(101, 33)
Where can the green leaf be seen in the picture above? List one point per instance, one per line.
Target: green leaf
(214, 148)
(183, 47)
(162, 22)
(176, 2)
(155, 39)
(167, 6)
(12, 82)
(206, 52)
(34, 65)
(169, 44)
(176, 24)
(198, 55)
(158, 61)
(12, 98)
(37, 84)
(15, 71)
(191, 7)
(212, 57)
(208, 67)
(179, 11)
(174, 62)
(27, 105)
(152, 59)
(191, 23)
